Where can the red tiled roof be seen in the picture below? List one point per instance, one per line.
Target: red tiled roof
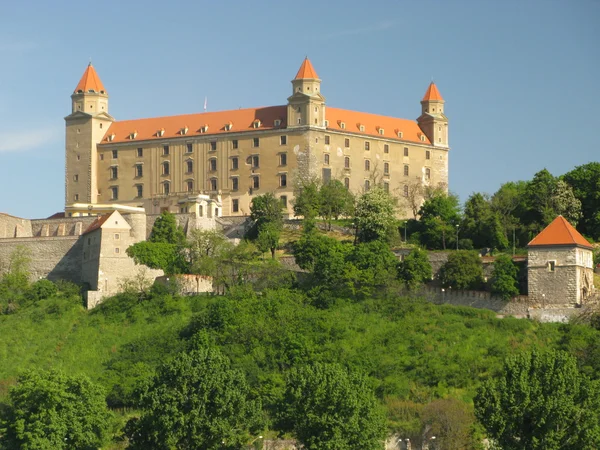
(90, 81)
(306, 70)
(373, 123)
(432, 93)
(97, 223)
(559, 232)
(58, 215)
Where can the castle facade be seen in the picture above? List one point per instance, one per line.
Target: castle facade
(164, 163)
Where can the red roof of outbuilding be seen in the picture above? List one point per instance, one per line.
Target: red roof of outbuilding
(560, 232)
(97, 223)
(432, 93)
(90, 81)
(306, 70)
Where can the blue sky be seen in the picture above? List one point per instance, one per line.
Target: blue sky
(520, 78)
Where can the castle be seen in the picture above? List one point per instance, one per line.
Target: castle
(163, 163)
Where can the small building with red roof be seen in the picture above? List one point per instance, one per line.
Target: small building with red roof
(560, 268)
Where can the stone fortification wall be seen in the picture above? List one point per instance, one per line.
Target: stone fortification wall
(67, 226)
(234, 227)
(552, 285)
(11, 227)
(188, 222)
(52, 257)
(189, 284)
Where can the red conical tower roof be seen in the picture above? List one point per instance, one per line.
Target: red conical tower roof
(306, 70)
(560, 232)
(432, 93)
(90, 81)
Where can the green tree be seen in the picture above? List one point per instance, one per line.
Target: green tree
(52, 410)
(539, 199)
(195, 401)
(585, 181)
(375, 215)
(540, 401)
(504, 278)
(335, 201)
(165, 230)
(327, 408)
(268, 238)
(415, 269)
(481, 223)
(375, 264)
(307, 199)
(14, 283)
(439, 216)
(463, 270)
(206, 249)
(157, 255)
(565, 203)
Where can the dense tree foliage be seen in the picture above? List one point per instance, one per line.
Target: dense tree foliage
(375, 215)
(329, 408)
(53, 410)
(440, 215)
(585, 181)
(196, 401)
(504, 278)
(166, 230)
(335, 201)
(267, 216)
(463, 270)
(541, 401)
(415, 269)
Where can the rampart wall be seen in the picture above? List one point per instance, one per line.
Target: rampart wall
(11, 227)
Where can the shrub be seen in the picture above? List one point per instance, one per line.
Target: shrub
(463, 270)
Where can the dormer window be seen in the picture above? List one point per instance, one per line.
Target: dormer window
(133, 134)
(91, 91)
(399, 133)
(381, 131)
(204, 128)
(228, 126)
(327, 123)
(277, 123)
(256, 123)
(184, 130)
(361, 127)
(161, 132)
(111, 137)
(80, 91)
(102, 92)
(342, 125)
(423, 138)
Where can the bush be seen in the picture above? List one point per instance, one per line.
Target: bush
(415, 269)
(41, 290)
(463, 270)
(504, 278)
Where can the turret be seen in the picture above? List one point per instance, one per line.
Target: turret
(306, 105)
(433, 122)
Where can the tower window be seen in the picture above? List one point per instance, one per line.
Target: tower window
(212, 164)
(213, 145)
(427, 174)
(101, 127)
(114, 193)
(114, 173)
(255, 142)
(386, 168)
(166, 188)
(234, 163)
(235, 205)
(405, 171)
(189, 148)
(367, 145)
(256, 182)
(190, 185)
(166, 168)
(234, 144)
(347, 143)
(213, 184)
(140, 152)
(282, 140)
(405, 151)
(346, 162)
(75, 177)
(283, 180)
(326, 140)
(139, 170)
(551, 266)
(115, 154)
(165, 150)
(326, 158)
(140, 190)
(386, 148)
(386, 186)
(367, 185)
(76, 197)
(189, 166)
(235, 183)
(347, 183)
(283, 159)
(427, 154)
(299, 121)
(367, 164)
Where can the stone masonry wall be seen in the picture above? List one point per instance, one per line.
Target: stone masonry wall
(11, 227)
(557, 286)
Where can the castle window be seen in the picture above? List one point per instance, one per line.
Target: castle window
(139, 170)
(228, 126)
(75, 177)
(189, 166)
(117, 236)
(551, 265)
(386, 168)
(400, 134)
(282, 140)
(140, 190)
(235, 205)
(234, 163)
(166, 188)
(439, 128)
(166, 168)
(213, 184)
(423, 137)
(346, 162)
(235, 183)
(326, 140)
(189, 148)
(283, 200)
(427, 174)
(79, 157)
(347, 143)
(256, 182)
(101, 157)
(283, 159)
(405, 191)
(381, 131)
(405, 151)
(212, 164)
(277, 122)
(299, 121)
(386, 148)
(101, 127)
(213, 145)
(367, 145)
(367, 164)
(190, 185)
(283, 180)
(165, 150)
(234, 144)
(427, 154)
(140, 152)
(327, 123)
(254, 160)
(343, 126)
(362, 128)
(256, 123)
(255, 142)
(76, 197)
(367, 185)
(115, 154)
(347, 183)
(114, 193)
(405, 171)
(386, 186)
(326, 158)
(117, 250)
(114, 173)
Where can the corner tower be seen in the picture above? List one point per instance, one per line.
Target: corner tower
(85, 127)
(306, 105)
(432, 121)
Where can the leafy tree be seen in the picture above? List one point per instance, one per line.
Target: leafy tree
(540, 401)
(463, 270)
(439, 216)
(481, 224)
(206, 249)
(14, 282)
(268, 238)
(510, 206)
(158, 255)
(565, 203)
(335, 201)
(450, 421)
(539, 198)
(266, 208)
(311, 247)
(307, 201)
(165, 230)
(376, 265)
(327, 408)
(375, 215)
(504, 278)
(195, 401)
(585, 181)
(42, 289)
(415, 269)
(53, 410)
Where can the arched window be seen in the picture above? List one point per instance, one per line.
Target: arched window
(166, 168)
(367, 164)
(386, 168)
(166, 188)
(189, 166)
(347, 162)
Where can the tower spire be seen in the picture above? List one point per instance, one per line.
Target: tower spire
(306, 71)
(90, 82)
